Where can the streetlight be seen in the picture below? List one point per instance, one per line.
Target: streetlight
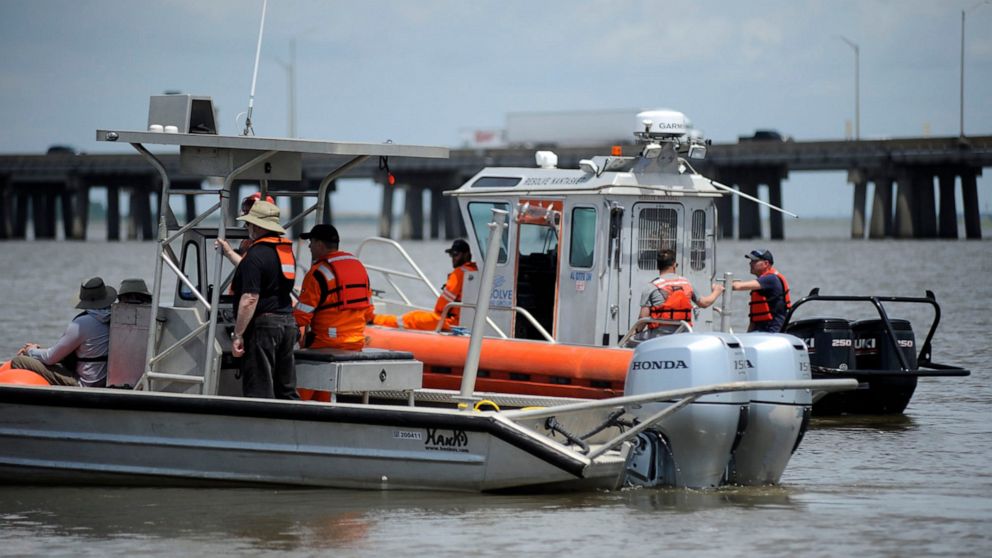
(963, 12)
(857, 84)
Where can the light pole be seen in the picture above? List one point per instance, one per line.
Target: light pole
(963, 12)
(857, 85)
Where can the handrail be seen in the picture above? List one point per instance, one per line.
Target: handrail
(389, 274)
(925, 350)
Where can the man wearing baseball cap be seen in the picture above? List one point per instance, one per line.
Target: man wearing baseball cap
(769, 293)
(336, 298)
(464, 270)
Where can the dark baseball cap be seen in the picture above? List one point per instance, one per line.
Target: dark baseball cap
(460, 246)
(323, 233)
(760, 254)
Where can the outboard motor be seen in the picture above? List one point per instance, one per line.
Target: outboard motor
(873, 350)
(777, 419)
(692, 447)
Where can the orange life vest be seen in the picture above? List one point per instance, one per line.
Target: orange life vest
(284, 248)
(678, 302)
(351, 283)
(760, 309)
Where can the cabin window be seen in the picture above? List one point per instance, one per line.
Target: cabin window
(191, 269)
(697, 242)
(657, 229)
(538, 239)
(496, 182)
(481, 214)
(583, 237)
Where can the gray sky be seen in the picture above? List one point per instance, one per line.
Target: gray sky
(422, 71)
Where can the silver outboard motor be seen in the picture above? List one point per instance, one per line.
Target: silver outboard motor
(777, 419)
(692, 447)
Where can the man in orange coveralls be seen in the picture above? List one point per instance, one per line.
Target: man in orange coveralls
(464, 267)
(335, 300)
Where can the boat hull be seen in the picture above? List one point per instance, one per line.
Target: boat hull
(75, 435)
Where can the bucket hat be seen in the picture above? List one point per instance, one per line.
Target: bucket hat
(95, 294)
(265, 215)
(135, 288)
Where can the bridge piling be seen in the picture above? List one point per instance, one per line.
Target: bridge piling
(948, 206)
(749, 224)
(386, 213)
(969, 199)
(858, 178)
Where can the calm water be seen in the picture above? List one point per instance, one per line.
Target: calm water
(917, 484)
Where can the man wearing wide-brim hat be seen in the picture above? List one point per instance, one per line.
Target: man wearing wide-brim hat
(79, 357)
(133, 291)
(265, 333)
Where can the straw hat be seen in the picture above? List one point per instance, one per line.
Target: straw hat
(265, 215)
(95, 294)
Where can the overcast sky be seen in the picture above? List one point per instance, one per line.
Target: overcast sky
(424, 71)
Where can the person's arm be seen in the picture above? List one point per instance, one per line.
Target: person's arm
(450, 292)
(709, 299)
(309, 298)
(62, 348)
(246, 310)
(228, 252)
(750, 285)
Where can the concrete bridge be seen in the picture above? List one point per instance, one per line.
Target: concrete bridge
(39, 188)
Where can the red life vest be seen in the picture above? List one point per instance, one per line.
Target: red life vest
(284, 248)
(760, 309)
(678, 302)
(351, 283)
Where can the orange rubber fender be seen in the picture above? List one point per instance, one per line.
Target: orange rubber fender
(21, 377)
(578, 362)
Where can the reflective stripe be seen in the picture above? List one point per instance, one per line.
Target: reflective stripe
(326, 272)
(288, 269)
(342, 257)
(448, 295)
(305, 308)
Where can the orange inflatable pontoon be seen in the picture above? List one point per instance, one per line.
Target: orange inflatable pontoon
(512, 365)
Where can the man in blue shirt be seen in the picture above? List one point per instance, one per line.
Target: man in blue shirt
(769, 293)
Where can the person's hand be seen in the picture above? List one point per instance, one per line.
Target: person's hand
(717, 287)
(23, 351)
(238, 346)
(222, 245)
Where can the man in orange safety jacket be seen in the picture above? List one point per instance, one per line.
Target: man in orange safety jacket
(769, 293)
(335, 298)
(464, 270)
(670, 297)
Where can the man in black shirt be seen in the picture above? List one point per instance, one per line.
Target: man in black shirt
(265, 332)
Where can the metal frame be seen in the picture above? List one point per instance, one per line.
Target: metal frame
(263, 149)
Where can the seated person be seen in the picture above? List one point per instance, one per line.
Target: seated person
(335, 298)
(79, 357)
(461, 261)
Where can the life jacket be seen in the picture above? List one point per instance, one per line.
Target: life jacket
(678, 302)
(70, 360)
(284, 248)
(761, 308)
(351, 288)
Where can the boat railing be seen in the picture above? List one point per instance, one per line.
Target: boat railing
(516, 309)
(681, 326)
(678, 399)
(416, 274)
(924, 358)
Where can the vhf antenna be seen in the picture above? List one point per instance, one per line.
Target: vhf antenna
(254, 76)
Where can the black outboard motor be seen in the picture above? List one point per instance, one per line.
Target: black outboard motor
(873, 350)
(830, 343)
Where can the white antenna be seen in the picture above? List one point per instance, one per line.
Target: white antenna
(254, 75)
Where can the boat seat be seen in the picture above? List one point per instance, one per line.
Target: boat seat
(341, 355)
(340, 371)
